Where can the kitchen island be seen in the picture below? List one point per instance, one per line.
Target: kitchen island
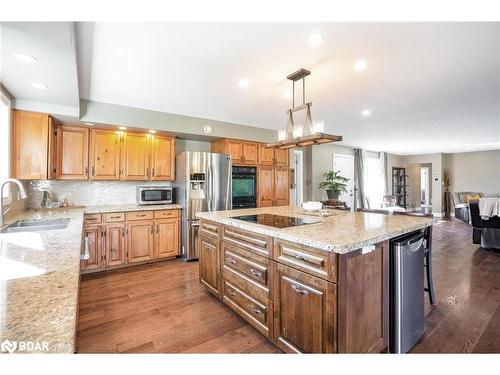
(319, 287)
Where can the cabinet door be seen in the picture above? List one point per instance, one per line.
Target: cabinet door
(209, 263)
(163, 158)
(114, 245)
(281, 157)
(30, 136)
(305, 312)
(167, 238)
(250, 152)
(135, 157)
(72, 153)
(93, 237)
(235, 149)
(281, 190)
(140, 241)
(104, 154)
(265, 186)
(266, 155)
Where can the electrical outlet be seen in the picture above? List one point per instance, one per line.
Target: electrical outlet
(97, 193)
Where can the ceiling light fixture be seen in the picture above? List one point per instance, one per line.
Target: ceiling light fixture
(360, 65)
(89, 123)
(315, 39)
(24, 57)
(122, 128)
(207, 129)
(244, 83)
(152, 131)
(308, 133)
(366, 112)
(39, 86)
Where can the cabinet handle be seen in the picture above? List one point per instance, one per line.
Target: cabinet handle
(142, 215)
(93, 171)
(115, 217)
(123, 232)
(86, 171)
(90, 218)
(301, 257)
(255, 310)
(300, 290)
(157, 228)
(152, 228)
(230, 261)
(153, 172)
(255, 273)
(147, 172)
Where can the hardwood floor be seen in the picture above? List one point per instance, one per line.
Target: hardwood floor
(162, 308)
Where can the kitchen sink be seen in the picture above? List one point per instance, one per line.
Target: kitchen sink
(35, 225)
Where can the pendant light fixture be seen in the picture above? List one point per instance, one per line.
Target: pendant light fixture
(308, 133)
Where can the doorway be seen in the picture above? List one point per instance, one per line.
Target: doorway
(425, 186)
(345, 164)
(297, 178)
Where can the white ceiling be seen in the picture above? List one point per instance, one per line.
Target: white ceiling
(431, 87)
(53, 45)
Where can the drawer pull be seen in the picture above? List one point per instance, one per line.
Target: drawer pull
(230, 260)
(300, 290)
(255, 310)
(255, 273)
(301, 257)
(115, 217)
(91, 218)
(231, 293)
(141, 215)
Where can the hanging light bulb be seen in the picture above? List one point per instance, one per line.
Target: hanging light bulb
(298, 130)
(319, 127)
(281, 135)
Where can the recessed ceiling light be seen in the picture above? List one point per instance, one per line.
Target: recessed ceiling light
(360, 65)
(244, 83)
(89, 123)
(122, 128)
(366, 112)
(315, 39)
(24, 57)
(39, 86)
(152, 131)
(207, 129)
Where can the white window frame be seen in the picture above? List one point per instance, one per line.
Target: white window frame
(4, 98)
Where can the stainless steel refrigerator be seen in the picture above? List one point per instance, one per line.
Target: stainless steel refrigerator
(203, 183)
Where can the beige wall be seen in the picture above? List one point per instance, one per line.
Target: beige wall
(182, 145)
(473, 171)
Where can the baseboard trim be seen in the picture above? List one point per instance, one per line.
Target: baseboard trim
(438, 214)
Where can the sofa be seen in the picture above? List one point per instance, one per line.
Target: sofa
(461, 206)
(484, 232)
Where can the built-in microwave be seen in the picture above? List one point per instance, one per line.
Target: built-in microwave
(154, 195)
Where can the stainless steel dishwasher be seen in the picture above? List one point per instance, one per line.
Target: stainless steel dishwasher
(407, 317)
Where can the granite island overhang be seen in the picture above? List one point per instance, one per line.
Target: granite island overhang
(315, 288)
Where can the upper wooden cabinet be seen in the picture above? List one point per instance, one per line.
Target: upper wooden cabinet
(250, 153)
(241, 152)
(271, 156)
(30, 145)
(162, 158)
(72, 150)
(104, 154)
(135, 157)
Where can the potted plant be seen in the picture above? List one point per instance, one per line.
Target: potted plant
(334, 184)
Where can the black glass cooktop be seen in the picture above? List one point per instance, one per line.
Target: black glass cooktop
(275, 221)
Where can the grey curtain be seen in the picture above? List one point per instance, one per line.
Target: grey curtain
(359, 181)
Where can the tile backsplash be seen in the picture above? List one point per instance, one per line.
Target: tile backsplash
(87, 193)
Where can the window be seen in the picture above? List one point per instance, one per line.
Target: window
(5, 108)
(374, 181)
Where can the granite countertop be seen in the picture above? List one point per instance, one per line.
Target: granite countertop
(129, 208)
(341, 233)
(39, 281)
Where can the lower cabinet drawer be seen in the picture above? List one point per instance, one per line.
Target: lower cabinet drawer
(140, 215)
(257, 312)
(114, 217)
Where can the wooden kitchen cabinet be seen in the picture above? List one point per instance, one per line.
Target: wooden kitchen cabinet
(140, 244)
(241, 152)
(166, 238)
(135, 157)
(209, 268)
(272, 186)
(250, 153)
(265, 186)
(72, 150)
(281, 188)
(104, 154)
(272, 156)
(305, 317)
(92, 235)
(162, 158)
(30, 145)
(114, 245)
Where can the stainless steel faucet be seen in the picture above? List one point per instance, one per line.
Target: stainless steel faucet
(22, 192)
